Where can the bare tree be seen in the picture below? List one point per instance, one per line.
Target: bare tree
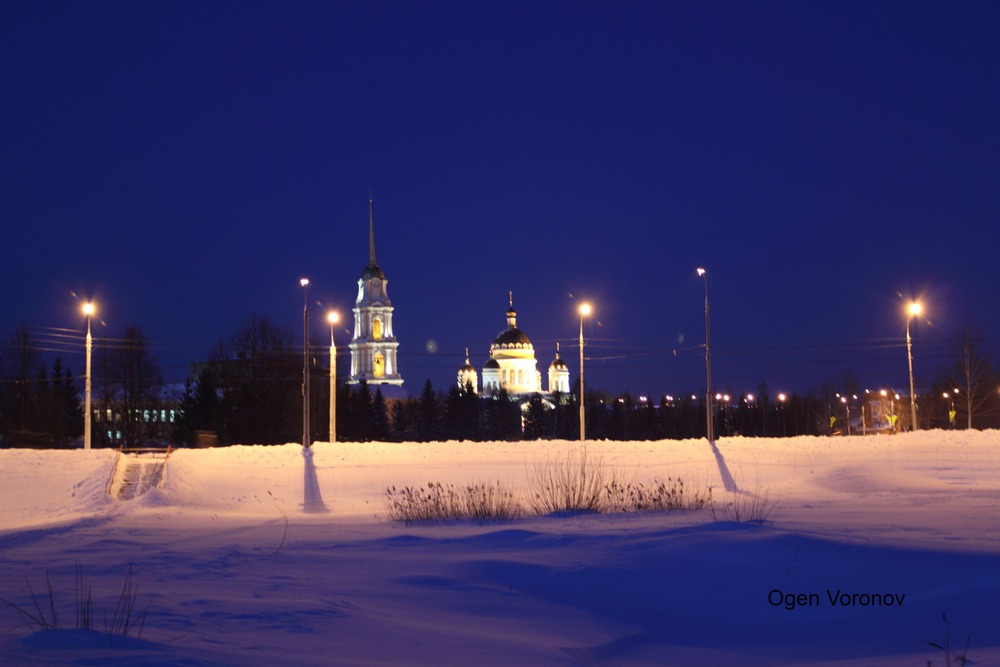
(974, 377)
(130, 385)
(20, 366)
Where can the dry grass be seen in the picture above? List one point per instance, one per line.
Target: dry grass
(125, 621)
(576, 484)
(744, 507)
(436, 502)
(658, 496)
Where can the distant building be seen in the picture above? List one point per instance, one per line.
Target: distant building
(373, 348)
(512, 366)
(467, 376)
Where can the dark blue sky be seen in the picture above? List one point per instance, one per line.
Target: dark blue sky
(185, 163)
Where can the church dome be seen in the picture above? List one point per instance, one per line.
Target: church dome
(512, 337)
(467, 367)
(492, 363)
(558, 364)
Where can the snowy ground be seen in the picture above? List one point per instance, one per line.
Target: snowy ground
(227, 581)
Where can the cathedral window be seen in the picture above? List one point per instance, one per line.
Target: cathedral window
(377, 329)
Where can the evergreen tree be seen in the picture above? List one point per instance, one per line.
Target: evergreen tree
(19, 366)
(535, 419)
(430, 416)
(462, 414)
(502, 417)
(404, 419)
(362, 409)
(261, 384)
(379, 418)
(183, 431)
(65, 421)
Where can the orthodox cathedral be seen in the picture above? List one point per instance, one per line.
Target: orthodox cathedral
(512, 365)
(373, 347)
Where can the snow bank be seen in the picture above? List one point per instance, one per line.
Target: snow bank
(236, 569)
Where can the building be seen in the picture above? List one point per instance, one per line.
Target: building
(373, 347)
(512, 366)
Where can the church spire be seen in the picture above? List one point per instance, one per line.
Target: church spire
(371, 233)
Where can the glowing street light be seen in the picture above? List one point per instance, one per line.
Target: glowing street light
(847, 406)
(708, 364)
(306, 439)
(782, 397)
(88, 310)
(584, 311)
(951, 405)
(332, 317)
(912, 310)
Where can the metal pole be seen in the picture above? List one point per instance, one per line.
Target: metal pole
(708, 365)
(583, 432)
(913, 398)
(333, 387)
(306, 439)
(86, 384)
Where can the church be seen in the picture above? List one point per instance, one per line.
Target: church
(512, 366)
(373, 346)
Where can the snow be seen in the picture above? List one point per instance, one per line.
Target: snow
(261, 555)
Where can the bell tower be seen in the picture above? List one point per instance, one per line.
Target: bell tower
(373, 347)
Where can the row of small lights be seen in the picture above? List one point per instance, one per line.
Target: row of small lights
(782, 397)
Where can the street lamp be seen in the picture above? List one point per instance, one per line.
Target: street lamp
(332, 317)
(847, 406)
(584, 311)
(951, 406)
(306, 439)
(708, 364)
(781, 400)
(88, 310)
(912, 310)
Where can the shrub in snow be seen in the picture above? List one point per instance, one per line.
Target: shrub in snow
(576, 484)
(125, 620)
(743, 507)
(657, 496)
(438, 502)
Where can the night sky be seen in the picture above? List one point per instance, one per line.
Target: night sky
(184, 164)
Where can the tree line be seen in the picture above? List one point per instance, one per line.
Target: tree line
(249, 390)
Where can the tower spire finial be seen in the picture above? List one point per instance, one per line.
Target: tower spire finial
(371, 232)
(510, 298)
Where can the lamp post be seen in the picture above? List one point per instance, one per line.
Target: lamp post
(88, 310)
(951, 406)
(912, 310)
(781, 400)
(847, 407)
(708, 364)
(584, 311)
(332, 317)
(306, 439)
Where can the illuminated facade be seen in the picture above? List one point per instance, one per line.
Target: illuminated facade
(512, 365)
(373, 347)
